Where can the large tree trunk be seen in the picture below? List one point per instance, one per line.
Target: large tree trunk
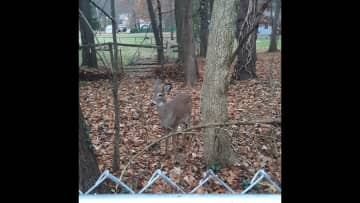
(178, 20)
(187, 42)
(245, 67)
(87, 37)
(204, 27)
(88, 168)
(156, 31)
(214, 90)
(273, 44)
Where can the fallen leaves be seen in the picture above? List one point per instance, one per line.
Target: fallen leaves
(231, 177)
(175, 174)
(190, 181)
(255, 146)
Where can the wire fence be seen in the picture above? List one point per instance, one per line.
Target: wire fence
(143, 51)
(209, 175)
(146, 55)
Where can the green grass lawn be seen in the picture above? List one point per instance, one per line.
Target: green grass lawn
(262, 44)
(131, 53)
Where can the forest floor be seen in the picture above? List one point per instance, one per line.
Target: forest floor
(256, 146)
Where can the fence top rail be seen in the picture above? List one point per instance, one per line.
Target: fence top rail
(119, 44)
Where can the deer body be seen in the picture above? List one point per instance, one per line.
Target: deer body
(175, 112)
(172, 113)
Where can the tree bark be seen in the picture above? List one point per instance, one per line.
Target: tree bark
(273, 44)
(187, 42)
(161, 40)
(245, 67)
(88, 167)
(213, 106)
(178, 21)
(242, 38)
(115, 87)
(155, 31)
(204, 26)
(87, 37)
(114, 29)
(132, 19)
(160, 21)
(168, 14)
(114, 62)
(211, 6)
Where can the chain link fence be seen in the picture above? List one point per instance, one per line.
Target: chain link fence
(209, 175)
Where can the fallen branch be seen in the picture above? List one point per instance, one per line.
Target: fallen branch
(186, 131)
(150, 145)
(168, 11)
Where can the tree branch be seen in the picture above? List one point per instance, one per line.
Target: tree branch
(169, 11)
(102, 10)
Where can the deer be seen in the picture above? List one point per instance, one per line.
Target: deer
(171, 113)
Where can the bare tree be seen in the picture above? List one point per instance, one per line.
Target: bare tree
(115, 70)
(132, 17)
(156, 31)
(187, 42)
(245, 67)
(204, 26)
(168, 14)
(242, 38)
(114, 30)
(160, 22)
(161, 39)
(87, 37)
(88, 167)
(213, 106)
(211, 6)
(178, 21)
(273, 45)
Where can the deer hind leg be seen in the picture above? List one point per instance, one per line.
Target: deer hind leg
(186, 137)
(175, 148)
(166, 146)
(167, 131)
(168, 141)
(175, 143)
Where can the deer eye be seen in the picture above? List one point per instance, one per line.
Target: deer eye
(160, 95)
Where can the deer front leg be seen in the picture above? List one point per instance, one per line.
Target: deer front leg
(166, 141)
(186, 138)
(175, 148)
